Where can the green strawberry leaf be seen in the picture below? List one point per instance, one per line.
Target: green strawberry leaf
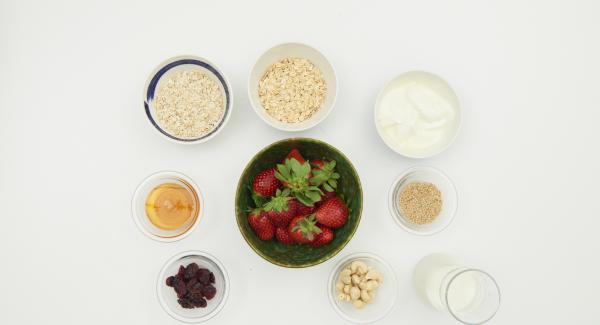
(313, 196)
(304, 199)
(258, 200)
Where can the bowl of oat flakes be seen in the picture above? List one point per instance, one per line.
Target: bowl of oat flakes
(292, 87)
(187, 99)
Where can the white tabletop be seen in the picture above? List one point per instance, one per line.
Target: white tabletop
(75, 143)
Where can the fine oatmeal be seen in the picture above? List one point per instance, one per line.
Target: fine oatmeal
(292, 90)
(189, 104)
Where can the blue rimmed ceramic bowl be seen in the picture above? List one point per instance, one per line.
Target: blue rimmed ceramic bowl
(179, 63)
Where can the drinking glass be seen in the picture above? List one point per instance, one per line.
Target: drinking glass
(470, 295)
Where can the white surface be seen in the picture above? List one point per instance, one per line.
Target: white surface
(75, 143)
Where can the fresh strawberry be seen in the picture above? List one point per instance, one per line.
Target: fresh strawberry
(265, 183)
(332, 213)
(302, 209)
(283, 236)
(322, 238)
(319, 164)
(260, 223)
(302, 229)
(296, 155)
(295, 176)
(324, 198)
(280, 208)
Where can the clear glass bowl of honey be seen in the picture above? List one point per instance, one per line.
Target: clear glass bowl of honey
(167, 206)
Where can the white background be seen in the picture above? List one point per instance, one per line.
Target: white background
(74, 143)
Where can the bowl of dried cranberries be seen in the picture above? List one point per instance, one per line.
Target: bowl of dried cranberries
(192, 286)
(298, 202)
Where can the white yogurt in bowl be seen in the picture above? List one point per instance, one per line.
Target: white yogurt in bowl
(417, 114)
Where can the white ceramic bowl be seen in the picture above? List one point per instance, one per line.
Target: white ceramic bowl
(439, 86)
(168, 298)
(186, 62)
(385, 297)
(138, 204)
(295, 50)
(435, 177)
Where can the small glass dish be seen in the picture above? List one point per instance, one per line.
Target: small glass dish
(429, 175)
(385, 297)
(179, 63)
(138, 206)
(168, 298)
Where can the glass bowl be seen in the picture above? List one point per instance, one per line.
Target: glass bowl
(168, 298)
(385, 297)
(138, 204)
(442, 182)
(186, 62)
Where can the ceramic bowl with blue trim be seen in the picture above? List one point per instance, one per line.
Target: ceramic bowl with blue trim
(186, 63)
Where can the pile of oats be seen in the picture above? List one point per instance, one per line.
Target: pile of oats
(189, 104)
(421, 202)
(292, 90)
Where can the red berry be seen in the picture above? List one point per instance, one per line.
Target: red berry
(332, 213)
(265, 183)
(294, 153)
(325, 197)
(283, 236)
(322, 238)
(302, 229)
(262, 226)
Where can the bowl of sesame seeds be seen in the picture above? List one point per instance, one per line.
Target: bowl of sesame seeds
(292, 87)
(187, 99)
(423, 200)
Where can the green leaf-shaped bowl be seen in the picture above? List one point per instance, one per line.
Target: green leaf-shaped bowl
(296, 256)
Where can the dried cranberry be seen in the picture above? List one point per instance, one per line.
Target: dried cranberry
(212, 277)
(185, 303)
(196, 288)
(209, 292)
(190, 271)
(203, 276)
(191, 283)
(180, 289)
(200, 302)
(170, 281)
(181, 272)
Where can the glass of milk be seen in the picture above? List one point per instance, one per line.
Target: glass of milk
(470, 295)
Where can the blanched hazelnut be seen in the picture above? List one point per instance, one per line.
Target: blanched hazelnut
(365, 296)
(371, 285)
(372, 275)
(347, 288)
(358, 267)
(358, 303)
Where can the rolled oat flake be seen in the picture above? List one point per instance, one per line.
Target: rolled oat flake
(189, 104)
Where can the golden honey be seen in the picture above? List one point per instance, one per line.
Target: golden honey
(170, 206)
